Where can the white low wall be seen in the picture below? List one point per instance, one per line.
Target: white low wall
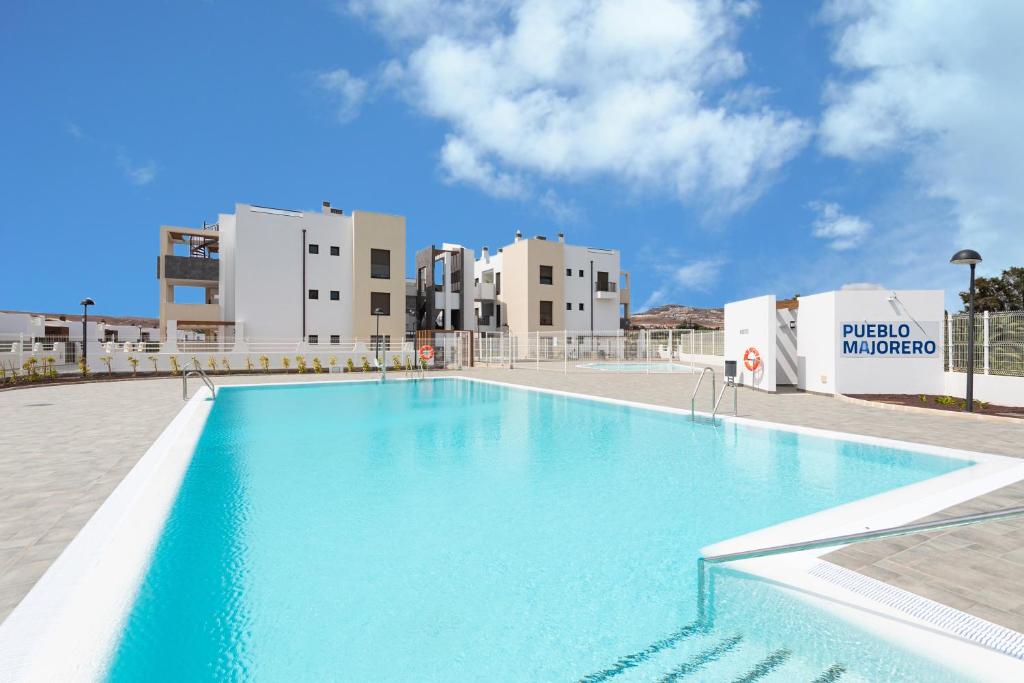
(999, 389)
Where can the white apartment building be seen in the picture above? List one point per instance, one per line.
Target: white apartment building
(538, 285)
(268, 273)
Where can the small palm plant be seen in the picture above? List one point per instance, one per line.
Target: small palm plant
(396, 362)
(225, 364)
(248, 364)
(108, 361)
(83, 368)
(175, 370)
(29, 367)
(349, 365)
(265, 363)
(211, 363)
(285, 363)
(332, 361)
(134, 362)
(318, 367)
(51, 367)
(154, 360)
(300, 364)
(366, 364)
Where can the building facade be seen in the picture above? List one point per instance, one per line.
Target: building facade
(445, 292)
(268, 273)
(541, 285)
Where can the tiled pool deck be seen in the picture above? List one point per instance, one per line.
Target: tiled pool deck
(64, 449)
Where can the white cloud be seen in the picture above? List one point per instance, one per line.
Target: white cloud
(75, 131)
(939, 83)
(638, 90)
(842, 230)
(698, 275)
(347, 91)
(138, 174)
(562, 211)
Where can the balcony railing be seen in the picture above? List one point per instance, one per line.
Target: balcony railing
(605, 286)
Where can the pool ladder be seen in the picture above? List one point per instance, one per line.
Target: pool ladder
(693, 397)
(198, 371)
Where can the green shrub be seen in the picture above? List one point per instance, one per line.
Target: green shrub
(366, 364)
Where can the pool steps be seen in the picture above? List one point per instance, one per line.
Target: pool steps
(696, 653)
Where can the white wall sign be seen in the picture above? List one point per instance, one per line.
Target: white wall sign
(889, 339)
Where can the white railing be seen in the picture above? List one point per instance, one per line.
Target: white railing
(998, 343)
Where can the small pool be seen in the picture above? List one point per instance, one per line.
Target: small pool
(451, 530)
(638, 367)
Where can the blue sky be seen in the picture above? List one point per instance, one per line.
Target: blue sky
(728, 149)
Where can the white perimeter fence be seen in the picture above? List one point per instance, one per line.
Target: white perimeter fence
(22, 356)
(998, 343)
(571, 350)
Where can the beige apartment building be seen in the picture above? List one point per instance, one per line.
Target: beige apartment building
(541, 285)
(279, 274)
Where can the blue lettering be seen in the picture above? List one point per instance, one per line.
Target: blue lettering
(865, 348)
(849, 347)
(929, 347)
(904, 330)
(917, 346)
(847, 329)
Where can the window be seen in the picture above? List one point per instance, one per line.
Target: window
(314, 339)
(568, 306)
(546, 276)
(380, 264)
(380, 342)
(335, 339)
(581, 272)
(381, 300)
(497, 283)
(314, 249)
(335, 251)
(568, 272)
(581, 307)
(314, 294)
(545, 313)
(335, 295)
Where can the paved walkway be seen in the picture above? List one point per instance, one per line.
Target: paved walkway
(64, 449)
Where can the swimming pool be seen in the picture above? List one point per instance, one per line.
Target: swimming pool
(638, 367)
(454, 530)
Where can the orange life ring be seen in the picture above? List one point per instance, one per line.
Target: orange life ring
(426, 352)
(751, 359)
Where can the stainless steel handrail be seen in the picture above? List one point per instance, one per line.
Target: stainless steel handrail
(844, 539)
(693, 397)
(721, 395)
(196, 370)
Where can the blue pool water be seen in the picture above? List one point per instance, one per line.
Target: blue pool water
(638, 367)
(448, 530)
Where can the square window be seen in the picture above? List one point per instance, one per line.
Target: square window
(314, 294)
(335, 295)
(381, 300)
(335, 251)
(581, 307)
(314, 339)
(568, 272)
(314, 249)
(581, 272)
(335, 338)
(568, 306)
(546, 276)
(380, 264)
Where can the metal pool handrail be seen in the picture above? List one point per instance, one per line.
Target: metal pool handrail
(693, 397)
(844, 539)
(196, 370)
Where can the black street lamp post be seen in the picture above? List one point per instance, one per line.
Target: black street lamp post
(377, 312)
(971, 258)
(86, 303)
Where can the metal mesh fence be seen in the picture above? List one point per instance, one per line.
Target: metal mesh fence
(998, 343)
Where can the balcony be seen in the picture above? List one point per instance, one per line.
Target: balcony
(189, 268)
(606, 291)
(192, 312)
(485, 291)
